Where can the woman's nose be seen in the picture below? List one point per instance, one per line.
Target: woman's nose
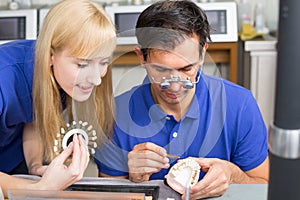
(96, 74)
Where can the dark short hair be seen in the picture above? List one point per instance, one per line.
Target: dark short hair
(167, 23)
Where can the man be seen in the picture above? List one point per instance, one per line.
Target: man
(183, 111)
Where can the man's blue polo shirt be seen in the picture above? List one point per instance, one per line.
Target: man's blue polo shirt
(16, 76)
(223, 121)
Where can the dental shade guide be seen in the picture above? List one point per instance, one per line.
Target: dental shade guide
(65, 136)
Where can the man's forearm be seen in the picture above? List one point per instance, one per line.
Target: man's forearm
(240, 177)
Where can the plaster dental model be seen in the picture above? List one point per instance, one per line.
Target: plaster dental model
(185, 173)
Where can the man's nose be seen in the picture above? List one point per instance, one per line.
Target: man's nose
(175, 86)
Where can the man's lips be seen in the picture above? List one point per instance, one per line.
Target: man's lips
(172, 95)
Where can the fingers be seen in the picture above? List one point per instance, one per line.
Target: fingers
(67, 174)
(85, 155)
(141, 177)
(144, 169)
(214, 183)
(80, 157)
(151, 147)
(145, 159)
(149, 156)
(149, 151)
(64, 155)
(212, 190)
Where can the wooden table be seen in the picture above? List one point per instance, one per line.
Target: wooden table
(234, 192)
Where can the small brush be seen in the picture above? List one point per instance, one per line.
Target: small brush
(172, 156)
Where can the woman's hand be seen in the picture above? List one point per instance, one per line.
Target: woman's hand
(60, 176)
(38, 170)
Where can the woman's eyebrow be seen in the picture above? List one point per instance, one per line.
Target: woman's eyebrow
(89, 60)
(83, 60)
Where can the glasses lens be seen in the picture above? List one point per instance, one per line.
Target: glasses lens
(159, 72)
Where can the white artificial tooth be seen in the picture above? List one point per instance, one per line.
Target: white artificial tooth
(93, 144)
(93, 138)
(92, 151)
(92, 133)
(84, 123)
(62, 131)
(55, 149)
(90, 128)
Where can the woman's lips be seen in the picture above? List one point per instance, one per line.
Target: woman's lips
(85, 89)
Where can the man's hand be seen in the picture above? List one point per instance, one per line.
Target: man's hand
(215, 182)
(221, 173)
(146, 159)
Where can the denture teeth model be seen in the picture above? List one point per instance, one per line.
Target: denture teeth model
(184, 173)
(64, 137)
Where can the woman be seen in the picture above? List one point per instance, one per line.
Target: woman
(72, 53)
(72, 56)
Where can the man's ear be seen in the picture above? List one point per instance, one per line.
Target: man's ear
(140, 55)
(204, 49)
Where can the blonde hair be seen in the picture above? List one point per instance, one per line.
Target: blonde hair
(84, 28)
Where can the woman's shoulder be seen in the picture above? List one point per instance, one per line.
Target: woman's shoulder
(17, 52)
(18, 45)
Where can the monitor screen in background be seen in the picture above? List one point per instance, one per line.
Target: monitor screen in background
(12, 28)
(217, 21)
(125, 23)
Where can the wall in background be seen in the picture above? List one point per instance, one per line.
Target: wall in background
(271, 11)
(271, 8)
